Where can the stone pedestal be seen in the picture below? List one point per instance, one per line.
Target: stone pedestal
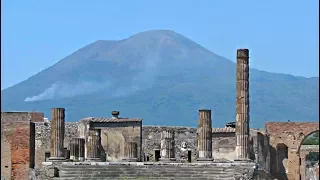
(242, 106)
(130, 152)
(204, 136)
(167, 146)
(93, 145)
(57, 135)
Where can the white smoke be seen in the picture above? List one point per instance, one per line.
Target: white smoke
(144, 79)
(60, 90)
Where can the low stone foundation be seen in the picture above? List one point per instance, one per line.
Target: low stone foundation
(147, 170)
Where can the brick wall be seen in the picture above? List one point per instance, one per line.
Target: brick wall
(18, 145)
(290, 135)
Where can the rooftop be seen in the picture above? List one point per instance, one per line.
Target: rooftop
(107, 120)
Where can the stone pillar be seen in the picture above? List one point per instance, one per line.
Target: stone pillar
(66, 153)
(93, 145)
(77, 149)
(242, 105)
(130, 152)
(167, 146)
(57, 135)
(205, 135)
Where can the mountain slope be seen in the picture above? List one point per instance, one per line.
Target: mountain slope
(162, 77)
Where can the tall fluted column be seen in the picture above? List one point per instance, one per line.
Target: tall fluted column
(242, 105)
(167, 146)
(130, 152)
(205, 135)
(93, 145)
(57, 135)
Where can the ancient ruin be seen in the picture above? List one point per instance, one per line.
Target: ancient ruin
(118, 148)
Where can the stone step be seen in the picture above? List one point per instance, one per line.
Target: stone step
(64, 173)
(146, 169)
(148, 177)
(154, 178)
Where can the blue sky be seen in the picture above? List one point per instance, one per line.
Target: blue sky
(282, 35)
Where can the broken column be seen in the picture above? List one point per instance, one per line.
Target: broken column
(57, 135)
(167, 146)
(130, 152)
(205, 135)
(77, 149)
(93, 145)
(242, 105)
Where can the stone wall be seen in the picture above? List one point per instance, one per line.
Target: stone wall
(285, 142)
(224, 145)
(260, 149)
(183, 135)
(113, 141)
(17, 145)
(42, 139)
(185, 140)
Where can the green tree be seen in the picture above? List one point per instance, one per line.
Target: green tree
(312, 140)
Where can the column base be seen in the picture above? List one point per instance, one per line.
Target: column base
(93, 160)
(167, 159)
(130, 159)
(57, 159)
(205, 160)
(81, 159)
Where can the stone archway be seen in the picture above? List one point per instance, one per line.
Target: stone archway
(290, 134)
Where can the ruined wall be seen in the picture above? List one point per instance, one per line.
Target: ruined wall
(113, 139)
(260, 150)
(285, 142)
(224, 145)
(42, 139)
(17, 145)
(183, 135)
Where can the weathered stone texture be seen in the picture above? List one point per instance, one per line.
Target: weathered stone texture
(304, 151)
(168, 145)
(204, 135)
(242, 105)
(131, 152)
(43, 131)
(77, 147)
(57, 134)
(224, 145)
(184, 136)
(93, 144)
(286, 139)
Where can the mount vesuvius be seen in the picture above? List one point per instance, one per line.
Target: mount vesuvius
(164, 78)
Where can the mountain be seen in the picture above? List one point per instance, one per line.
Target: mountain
(164, 78)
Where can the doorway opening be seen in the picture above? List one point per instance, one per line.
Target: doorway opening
(189, 156)
(157, 155)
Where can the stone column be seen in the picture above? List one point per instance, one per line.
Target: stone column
(130, 152)
(77, 149)
(242, 105)
(205, 135)
(81, 143)
(57, 135)
(167, 146)
(93, 145)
